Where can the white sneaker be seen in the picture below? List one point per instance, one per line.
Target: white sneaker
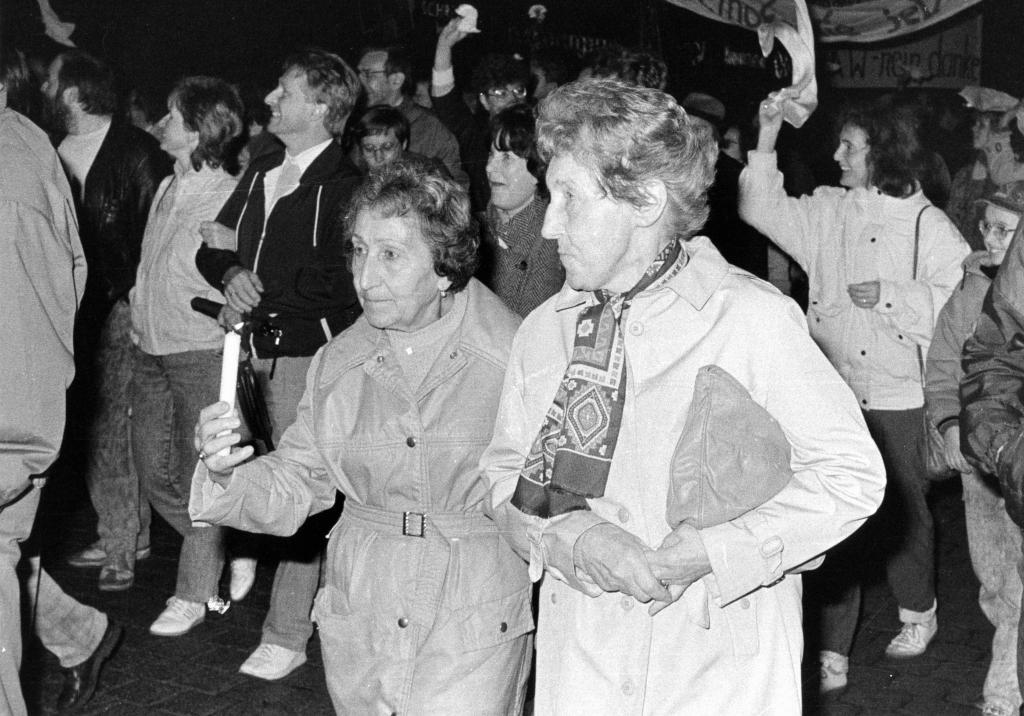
(272, 662)
(243, 574)
(834, 668)
(913, 639)
(178, 618)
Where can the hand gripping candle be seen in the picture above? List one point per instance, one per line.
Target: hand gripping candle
(229, 370)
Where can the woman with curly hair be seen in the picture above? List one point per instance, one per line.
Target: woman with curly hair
(424, 608)
(881, 262)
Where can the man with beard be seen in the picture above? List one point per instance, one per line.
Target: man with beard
(114, 169)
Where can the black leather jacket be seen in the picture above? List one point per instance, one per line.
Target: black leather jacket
(992, 388)
(112, 213)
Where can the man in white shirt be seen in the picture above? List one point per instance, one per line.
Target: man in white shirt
(290, 273)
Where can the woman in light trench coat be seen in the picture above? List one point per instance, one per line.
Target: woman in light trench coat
(425, 608)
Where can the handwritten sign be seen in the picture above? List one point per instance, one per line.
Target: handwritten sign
(835, 20)
(948, 59)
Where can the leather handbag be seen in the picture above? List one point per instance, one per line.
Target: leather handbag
(732, 455)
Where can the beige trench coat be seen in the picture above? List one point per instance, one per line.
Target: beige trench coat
(606, 654)
(438, 624)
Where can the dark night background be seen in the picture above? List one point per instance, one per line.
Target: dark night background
(153, 43)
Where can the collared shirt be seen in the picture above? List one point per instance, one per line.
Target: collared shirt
(163, 321)
(302, 159)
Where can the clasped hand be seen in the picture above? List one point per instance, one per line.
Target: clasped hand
(616, 561)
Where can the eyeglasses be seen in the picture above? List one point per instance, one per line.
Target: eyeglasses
(503, 92)
(1001, 231)
(385, 148)
(367, 74)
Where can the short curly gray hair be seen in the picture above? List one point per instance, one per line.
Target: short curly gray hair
(629, 135)
(408, 187)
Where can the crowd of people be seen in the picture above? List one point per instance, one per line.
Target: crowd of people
(499, 337)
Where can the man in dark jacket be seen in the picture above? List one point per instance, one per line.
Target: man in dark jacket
(290, 270)
(114, 170)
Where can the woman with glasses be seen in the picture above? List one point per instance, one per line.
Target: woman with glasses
(382, 138)
(881, 262)
(993, 539)
(498, 81)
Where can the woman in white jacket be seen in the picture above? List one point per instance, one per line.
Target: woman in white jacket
(881, 262)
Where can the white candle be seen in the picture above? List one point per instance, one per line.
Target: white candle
(229, 373)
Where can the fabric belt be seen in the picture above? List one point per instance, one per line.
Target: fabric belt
(418, 524)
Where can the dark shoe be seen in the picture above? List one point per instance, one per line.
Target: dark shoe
(116, 575)
(80, 681)
(95, 556)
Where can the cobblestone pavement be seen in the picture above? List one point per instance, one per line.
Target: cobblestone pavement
(196, 674)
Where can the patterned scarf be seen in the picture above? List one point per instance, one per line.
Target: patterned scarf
(573, 451)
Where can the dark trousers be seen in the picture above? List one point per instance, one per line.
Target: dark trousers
(901, 534)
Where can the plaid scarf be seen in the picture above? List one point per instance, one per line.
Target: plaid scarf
(572, 454)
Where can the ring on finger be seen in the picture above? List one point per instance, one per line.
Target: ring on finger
(203, 455)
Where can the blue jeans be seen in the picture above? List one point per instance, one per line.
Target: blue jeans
(167, 394)
(994, 542)
(123, 517)
(289, 623)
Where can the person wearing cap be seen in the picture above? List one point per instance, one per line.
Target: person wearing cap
(993, 540)
(974, 181)
(881, 262)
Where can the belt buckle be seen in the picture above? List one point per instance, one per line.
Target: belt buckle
(413, 524)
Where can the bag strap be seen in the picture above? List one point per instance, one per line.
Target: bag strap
(917, 251)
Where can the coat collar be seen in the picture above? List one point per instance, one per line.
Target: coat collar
(703, 273)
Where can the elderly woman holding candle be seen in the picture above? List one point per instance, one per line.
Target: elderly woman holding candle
(176, 362)
(424, 605)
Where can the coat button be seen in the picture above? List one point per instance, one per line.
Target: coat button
(553, 599)
(888, 305)
(623, 515)
(745, 604)
(403, 622)
(636, 328)
(627, 603)
(872, 239)
(863, 353)
(410, 441)
(522, 265)
(627, 687)
(380, 359)
(503, 627)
